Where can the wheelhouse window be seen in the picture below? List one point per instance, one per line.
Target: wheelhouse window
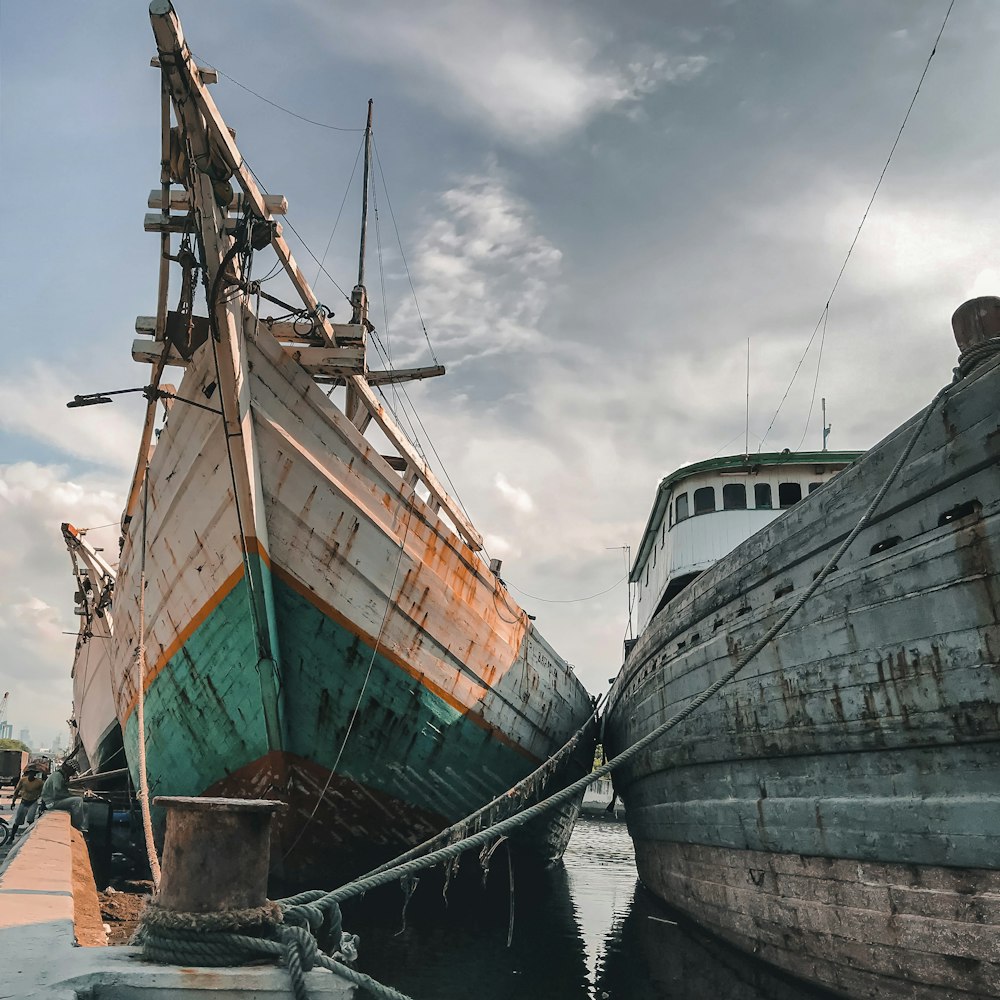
(813, 487)
(681, 507)
(762, 496)
(789, 494)
(734, 496)
(704, 500)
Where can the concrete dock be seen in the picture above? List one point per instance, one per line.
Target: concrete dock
(54, 943)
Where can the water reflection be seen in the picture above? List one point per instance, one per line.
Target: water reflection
(585, 930)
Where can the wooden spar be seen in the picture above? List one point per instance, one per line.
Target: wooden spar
(379, 377)
(230, 360)
(98, 565)
(358, 317)
(164, 206)
(159, 324)
(165, 224)
(185, 83)
(359, 294)
(180, 201)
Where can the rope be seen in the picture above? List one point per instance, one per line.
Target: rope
(140, 652)
(521, 790)
(975, 356)
(225, 939)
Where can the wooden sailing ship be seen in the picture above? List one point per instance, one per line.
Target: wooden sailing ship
(94, 715)
(835, 807)
(307, 617)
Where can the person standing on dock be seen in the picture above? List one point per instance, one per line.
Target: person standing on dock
(56, 794)
(29, 788)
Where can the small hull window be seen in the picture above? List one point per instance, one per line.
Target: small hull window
(704, 500)
(734, 496)
(681, 507)
(789, 494)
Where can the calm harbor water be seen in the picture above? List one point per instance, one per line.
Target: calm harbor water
(584, 930)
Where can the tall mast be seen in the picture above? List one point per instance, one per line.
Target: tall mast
(359, 300)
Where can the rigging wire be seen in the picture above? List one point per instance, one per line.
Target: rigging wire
(406, 267)
(819, 361)
(301, 240)
(385, 306)
(274, 104)
(864, 218)
(402, 389)
(340, 212)
(575, 600)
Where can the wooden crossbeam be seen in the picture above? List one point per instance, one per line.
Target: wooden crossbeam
(180, 201)
(284, 332)
(327, 362)
(379, 377)
(157, 222)
(205, 73)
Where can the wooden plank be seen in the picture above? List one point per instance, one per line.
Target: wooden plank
(151, 352)
(325, 360)
(206, 74)
(180, 201)
(380, 377)
(157, 222)
(401, 442)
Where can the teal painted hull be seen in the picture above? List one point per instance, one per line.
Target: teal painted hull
(411, 764)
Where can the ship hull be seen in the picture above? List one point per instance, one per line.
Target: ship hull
(399, 688)
(835, 807)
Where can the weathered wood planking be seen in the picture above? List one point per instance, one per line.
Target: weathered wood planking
(349, 540)
(867, 732)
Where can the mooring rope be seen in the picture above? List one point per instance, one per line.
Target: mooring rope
(140, 657)
(293, 940)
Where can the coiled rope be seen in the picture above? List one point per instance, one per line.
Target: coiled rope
(975, 356)
(293, 938)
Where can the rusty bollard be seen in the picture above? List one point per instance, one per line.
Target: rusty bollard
(216, 853)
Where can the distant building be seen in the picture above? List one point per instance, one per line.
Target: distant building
(6, 731)
(25, 737)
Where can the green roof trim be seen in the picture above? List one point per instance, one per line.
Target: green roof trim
(751, 463)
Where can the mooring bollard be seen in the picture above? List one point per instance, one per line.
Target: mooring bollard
(216, 853)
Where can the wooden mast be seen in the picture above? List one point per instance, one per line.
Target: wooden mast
(359, 294)
(190, 93)
(181, 79)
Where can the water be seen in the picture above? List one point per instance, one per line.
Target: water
(584, 930)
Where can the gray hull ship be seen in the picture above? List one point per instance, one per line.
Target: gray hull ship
(836, 807)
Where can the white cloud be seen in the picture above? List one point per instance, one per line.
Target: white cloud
(36, 587)
(482, 270)
(516, 496)
(33, 403)
(529, 72)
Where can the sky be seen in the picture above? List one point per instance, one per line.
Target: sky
(599, 206)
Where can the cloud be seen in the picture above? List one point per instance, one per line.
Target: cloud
(33, 404)
(36, 587)
(518, 498)
(483, 271)
(529, 73)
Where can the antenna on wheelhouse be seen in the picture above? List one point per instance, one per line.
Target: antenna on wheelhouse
(359, 296)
